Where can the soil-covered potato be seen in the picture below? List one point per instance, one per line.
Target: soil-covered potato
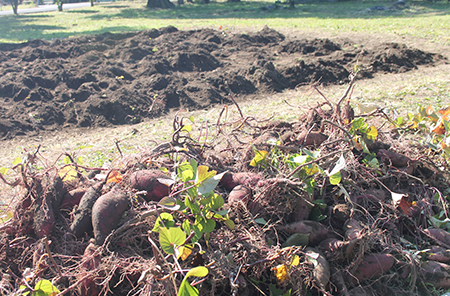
(82, 219)
(317, 232)
(150, 181)
(106, 213)
(231, 180)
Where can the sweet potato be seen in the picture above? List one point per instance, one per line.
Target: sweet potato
(239, 193)
(440, 236)
(88, 286)
(436, 273)
(106, 213)
(311, 138)
(45, 206)
(353, 229)
(148, 180)
(396, 159)
(231, 180)
(72, 198)
(337, 250)
(82, 221)
(91, 260)
(332, 249)
(438, 254)
(317, 232)
(302, 209)
(321, 270)
(339, 215)
(371, 266)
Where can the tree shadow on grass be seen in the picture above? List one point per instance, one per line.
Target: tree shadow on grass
(267, 9)
(85, 11)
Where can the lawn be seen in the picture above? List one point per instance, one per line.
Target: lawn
(429, 20)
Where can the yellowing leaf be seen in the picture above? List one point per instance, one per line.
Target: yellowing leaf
(357, 144)
(114, 177)
(295, 260)
(372, 132)
(281, 273)
(68, 173)
(183, 252)
(445, 112)
(203, 173)
(260, 155)
(439, 128)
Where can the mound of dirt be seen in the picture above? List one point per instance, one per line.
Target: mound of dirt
(112, 79)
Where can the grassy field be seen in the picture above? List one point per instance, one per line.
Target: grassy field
(423, 19)
(425, 24)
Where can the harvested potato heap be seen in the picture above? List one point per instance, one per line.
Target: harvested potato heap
(332, 204)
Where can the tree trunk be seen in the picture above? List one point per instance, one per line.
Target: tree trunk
(15, 5)
(165, 4)
(92, 3)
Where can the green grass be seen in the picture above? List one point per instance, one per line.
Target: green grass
(422, 19)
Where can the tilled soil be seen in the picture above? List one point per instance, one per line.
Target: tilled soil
(114, 79)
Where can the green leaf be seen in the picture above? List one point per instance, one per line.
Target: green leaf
(261, 221)
(186, 171)
(193, 206)
(45, 287)
(164, 220)
(185, 288)
(206, 226)
(170, 238)
(169, 202)
(336, 178)
(217, 201)
(297, 239)
(208, 185)
(199, 271)
(230, 224)
(311, 154)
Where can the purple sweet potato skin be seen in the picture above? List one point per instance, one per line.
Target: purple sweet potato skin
(436, 273)
(72, 198)
(439, 235)
(372, 266)
(231, 180)
(148, 180)
(317, 232)
(106, 213)
(239, 193)
(82, 221)
(397, 159)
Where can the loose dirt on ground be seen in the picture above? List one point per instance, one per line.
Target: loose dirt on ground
(115, 79)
